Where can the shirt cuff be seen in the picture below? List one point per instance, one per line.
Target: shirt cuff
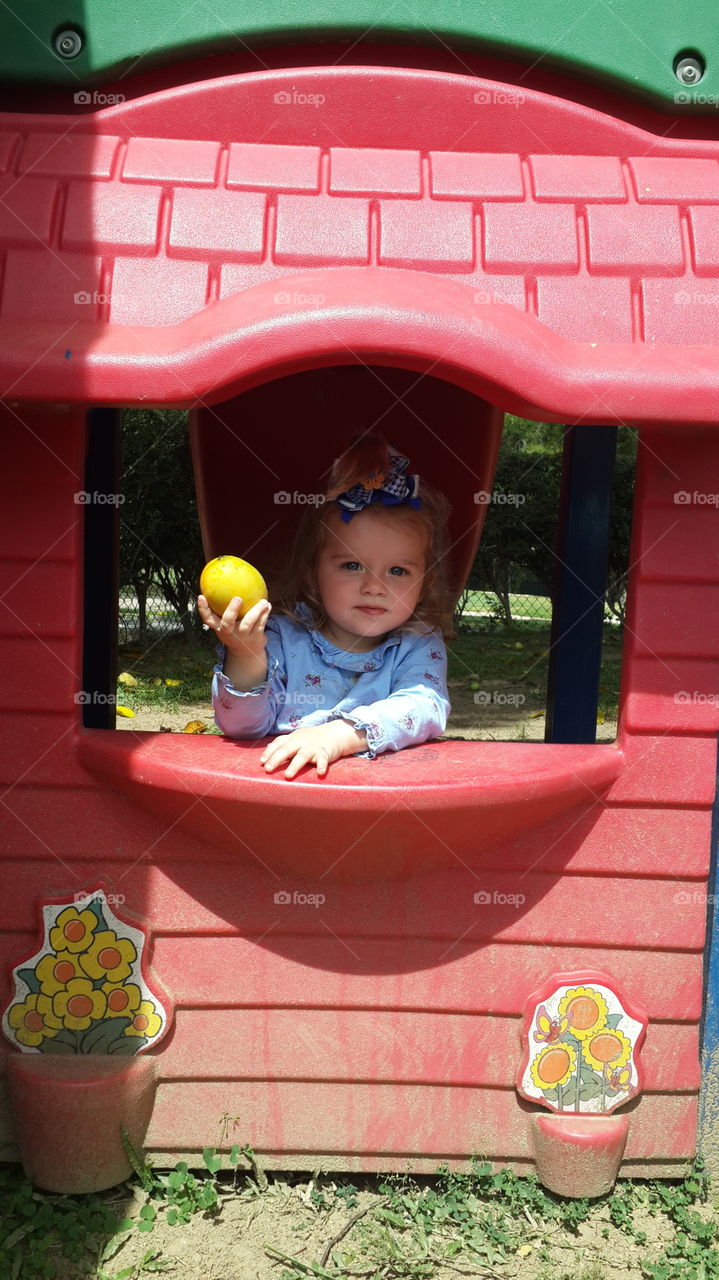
(375, 744)
(225, 683)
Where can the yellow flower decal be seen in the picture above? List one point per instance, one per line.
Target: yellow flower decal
(73, 930)
(607, 1048)
(146, 1021)
(109, 957)
(32, 1021)
(553, 1065)
(585, 1009)
(54, 972)
(78, 1003)
(122, 999)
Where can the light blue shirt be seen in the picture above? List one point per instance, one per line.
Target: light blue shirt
(396, 692)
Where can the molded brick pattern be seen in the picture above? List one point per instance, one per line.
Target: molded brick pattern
(322, 230)
(464, 174)
(530, 238)
(597, 178)
(112, 217)
(675, 181)
(26, 210)
(170, 160)
(602, 248)
(268, 167)
(432, 236)
(368, 171)
(228, 225)
(69, 155)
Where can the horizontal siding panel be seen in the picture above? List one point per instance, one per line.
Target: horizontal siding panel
(605, 841)
(45, 675)
(679, 696)
(383, 1045)
(615, 841)
(338, 1118)
(665, 769)
(78, 823)
(687, 459)
(40, 599)
(56, 537)
(682, 622)
(46, 446)
(679, 542)
(39, 749)
(518, 907)
(416, 973)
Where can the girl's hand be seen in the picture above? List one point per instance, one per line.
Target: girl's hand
(315, 744)
(244, 637)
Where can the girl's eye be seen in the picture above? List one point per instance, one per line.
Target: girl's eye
(399, 567)
(351, 564)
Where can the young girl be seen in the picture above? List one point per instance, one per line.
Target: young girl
(353, 659)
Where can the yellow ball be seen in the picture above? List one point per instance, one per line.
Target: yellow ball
(228, 576)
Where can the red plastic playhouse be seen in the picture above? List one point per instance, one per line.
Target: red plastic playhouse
(424, 231)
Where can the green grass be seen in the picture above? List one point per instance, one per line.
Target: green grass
(167, 659)
(485, 650)
(537, 608)
(481, 1223)
(492, 654)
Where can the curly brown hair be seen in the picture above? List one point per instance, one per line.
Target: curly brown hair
(296, 582)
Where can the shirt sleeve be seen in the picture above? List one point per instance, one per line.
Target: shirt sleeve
(251, 714)
(418, 705)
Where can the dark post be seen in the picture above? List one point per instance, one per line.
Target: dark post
(102, 541)
(580, 583)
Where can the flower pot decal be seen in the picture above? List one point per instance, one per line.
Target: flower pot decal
(84, 990)
(581, 1046)
(81, 1012)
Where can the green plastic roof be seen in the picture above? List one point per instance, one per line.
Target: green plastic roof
(632, 47)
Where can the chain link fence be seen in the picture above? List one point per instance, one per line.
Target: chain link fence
(146, 617)
(149, 617)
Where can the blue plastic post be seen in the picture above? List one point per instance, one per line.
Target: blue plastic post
(580, 584)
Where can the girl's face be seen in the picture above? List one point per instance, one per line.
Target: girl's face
(370, 574)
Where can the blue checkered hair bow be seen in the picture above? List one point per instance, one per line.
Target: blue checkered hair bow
(391, 489)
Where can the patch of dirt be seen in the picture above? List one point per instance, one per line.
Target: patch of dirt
(469, 720)
(233, 1244)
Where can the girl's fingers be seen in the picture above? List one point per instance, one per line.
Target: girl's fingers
(303, 757)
